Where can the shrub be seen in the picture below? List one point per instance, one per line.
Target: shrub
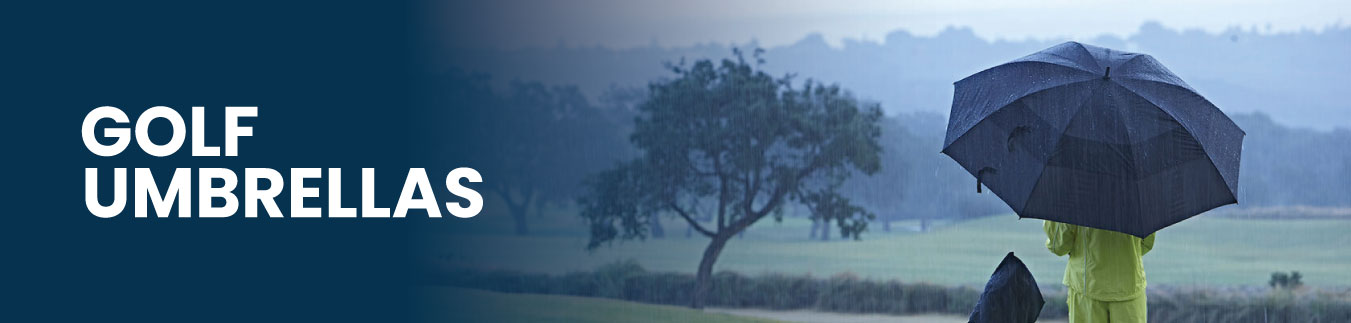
(1056, 306)
(847, 292)
(1286, 281)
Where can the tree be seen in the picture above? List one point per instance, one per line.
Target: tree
(879, 193)
(829, 206)
(732, 144)
(540, 142)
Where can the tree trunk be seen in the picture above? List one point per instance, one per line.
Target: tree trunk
(656, 229)
(539, 208)
(703, 280)
(518, 213)
(886, 224)
(825, 230)
(816, 225)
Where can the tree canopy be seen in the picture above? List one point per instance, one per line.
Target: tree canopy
(731, 144)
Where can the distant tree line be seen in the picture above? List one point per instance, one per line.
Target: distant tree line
(1293, 166)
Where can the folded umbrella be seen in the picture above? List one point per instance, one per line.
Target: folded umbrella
(1094, 137)
(1010, 296)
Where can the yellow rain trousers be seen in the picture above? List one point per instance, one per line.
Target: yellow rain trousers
(1105, 276)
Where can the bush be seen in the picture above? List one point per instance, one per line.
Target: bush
(848, 293)
(784, 292)
(1056, 306)
(627, 280)
(610, 280)
(1286, 281)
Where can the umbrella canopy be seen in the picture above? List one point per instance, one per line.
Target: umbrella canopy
(1011, 295)
(1094, 137)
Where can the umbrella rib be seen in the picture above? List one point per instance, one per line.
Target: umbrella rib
(1132, 158)
(1028, 61)
(1180, 87)
(1006, 104)
(1078, 65)
(1232, 191)
(1125, 129)
(1164, 71)
(1037, 183)
(1066, 58)
(1086, 52)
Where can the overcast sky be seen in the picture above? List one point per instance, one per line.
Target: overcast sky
(630, 23)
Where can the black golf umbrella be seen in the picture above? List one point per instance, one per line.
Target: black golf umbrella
(1094, 137)
(1011, 295)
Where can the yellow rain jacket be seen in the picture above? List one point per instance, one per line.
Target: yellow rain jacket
(1115, 272)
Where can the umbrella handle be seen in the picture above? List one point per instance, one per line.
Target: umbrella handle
(1017, 131)
(980, 174)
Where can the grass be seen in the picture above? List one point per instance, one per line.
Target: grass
(1205, 250)
(448, 304)
(1286, 212)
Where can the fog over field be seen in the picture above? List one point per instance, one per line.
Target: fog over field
(1283, 88)
(1295, 77)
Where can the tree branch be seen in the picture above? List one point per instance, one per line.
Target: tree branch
(722, 192)
(693, 224)
(752, 187)
(749, 219)
(504, 193)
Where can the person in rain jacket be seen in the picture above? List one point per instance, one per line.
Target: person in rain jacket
(1105, 276)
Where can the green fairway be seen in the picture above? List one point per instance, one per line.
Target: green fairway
(448, 304)
(1201, 251)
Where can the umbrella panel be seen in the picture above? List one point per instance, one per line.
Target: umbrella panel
(1092, 153)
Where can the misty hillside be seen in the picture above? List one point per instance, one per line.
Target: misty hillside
(1295, 78)
(1281, 89)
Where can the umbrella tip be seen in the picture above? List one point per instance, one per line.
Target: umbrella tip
(1107, 75)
